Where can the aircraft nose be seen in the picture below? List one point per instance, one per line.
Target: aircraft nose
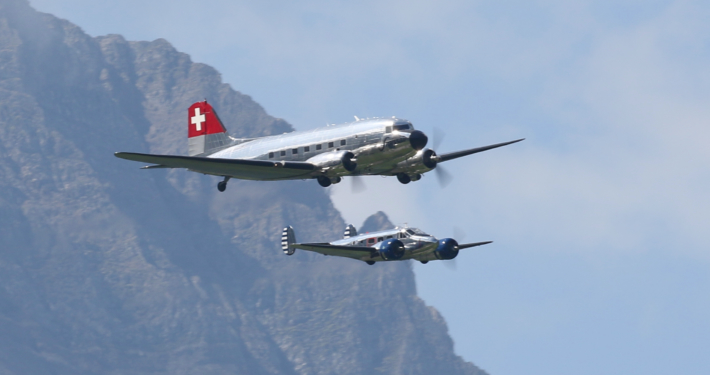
(418, 139)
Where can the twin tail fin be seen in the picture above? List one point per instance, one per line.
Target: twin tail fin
(288, 237)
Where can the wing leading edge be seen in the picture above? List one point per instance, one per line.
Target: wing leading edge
(467, 245)
(237, 168)
(355, 252)
(458, 154)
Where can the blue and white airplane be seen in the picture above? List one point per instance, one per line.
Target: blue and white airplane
(387, 245)
(381, 146)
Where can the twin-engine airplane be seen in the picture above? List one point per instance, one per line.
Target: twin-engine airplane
(389, 147)
(393, 244)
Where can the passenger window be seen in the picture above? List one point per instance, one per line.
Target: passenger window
(271, 155)
(379, 239)
(283, 153)
(370, 240)
(330, 144)
(294, 151)
(342, 142)
(307, 149)
(388, 237)
(318, 147)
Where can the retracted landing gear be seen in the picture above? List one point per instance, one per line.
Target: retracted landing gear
(370, 262)
(222, 185)
(404, 178)
(324, 181)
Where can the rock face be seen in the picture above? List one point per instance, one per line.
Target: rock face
(105, 268)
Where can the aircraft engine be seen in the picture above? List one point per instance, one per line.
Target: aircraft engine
(392, 249)
(448, 249)
(417, 139)
(424, 161)
(429, 158)
(344, 158)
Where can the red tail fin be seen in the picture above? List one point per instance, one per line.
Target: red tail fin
(205, 131)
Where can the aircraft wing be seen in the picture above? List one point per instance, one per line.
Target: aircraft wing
(356, 252)
(458, 154)
(238, 168)
(467, 245)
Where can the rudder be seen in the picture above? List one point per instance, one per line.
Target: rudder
(205, 132)
(288, 237)
(350, 231)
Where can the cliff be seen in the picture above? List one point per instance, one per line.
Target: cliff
(105, 268)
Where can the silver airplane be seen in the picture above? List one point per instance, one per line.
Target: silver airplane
(381, 146)
(387, 245)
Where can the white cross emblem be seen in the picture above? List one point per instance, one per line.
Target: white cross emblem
(197, 119)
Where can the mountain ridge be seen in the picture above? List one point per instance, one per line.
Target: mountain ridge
(106, 268)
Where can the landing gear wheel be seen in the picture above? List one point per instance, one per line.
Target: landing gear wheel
(403, 178)
(324, 181)
(424, 261)
(370, 262)
(222, 185)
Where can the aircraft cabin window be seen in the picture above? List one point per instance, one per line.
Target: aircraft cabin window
(283, 153)
(379, 239)
(318, 147)
(271, 155)
(294, 151)
(370, 240)
(330, 144)
(307, 149)
(410, 231)
(388, 129)
(342, 142)
(402, 127)
(388, 237)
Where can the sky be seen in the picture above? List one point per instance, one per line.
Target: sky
(601, 253)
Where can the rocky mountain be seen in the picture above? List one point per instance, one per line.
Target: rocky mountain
(108, 269)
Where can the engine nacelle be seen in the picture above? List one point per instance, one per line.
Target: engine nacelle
(422, 161)
(448, 249)
(391, 249)
(335, 159)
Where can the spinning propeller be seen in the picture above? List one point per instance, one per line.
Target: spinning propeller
(442, 175)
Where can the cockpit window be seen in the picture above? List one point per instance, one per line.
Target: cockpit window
(402, 127)
(416, 231)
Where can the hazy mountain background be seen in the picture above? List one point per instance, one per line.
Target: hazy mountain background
(105, 268)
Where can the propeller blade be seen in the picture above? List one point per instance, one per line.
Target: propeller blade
(443, 176)
(450, 264)
(459, 234)
(437, 136)
(357, 185)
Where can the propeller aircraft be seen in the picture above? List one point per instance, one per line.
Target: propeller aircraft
(387, 245)
(380, 146)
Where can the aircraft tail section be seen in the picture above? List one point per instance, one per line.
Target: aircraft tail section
(205, 132)
(288, 237)
(350, 231)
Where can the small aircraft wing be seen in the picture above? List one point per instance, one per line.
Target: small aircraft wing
(467, 245)
(458, 154)
(238, 168)
(356, 252)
